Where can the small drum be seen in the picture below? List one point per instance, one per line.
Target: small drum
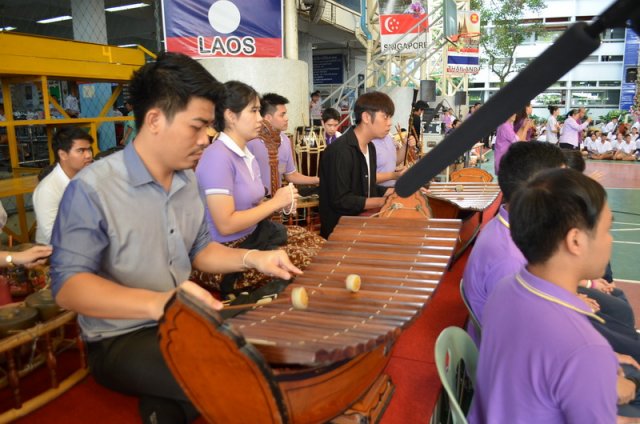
(44, 303)
(16, 318)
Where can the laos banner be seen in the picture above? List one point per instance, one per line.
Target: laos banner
(463, 53)
(399, 18)
(223, 28)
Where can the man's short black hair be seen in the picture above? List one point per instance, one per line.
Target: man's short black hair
(270, 101)
(330, 113)
(522, 161)
(420, 105)
(574, 159)
(64, 138)
(371, 103)
(169, 84)
(543, 211)
(235, 96)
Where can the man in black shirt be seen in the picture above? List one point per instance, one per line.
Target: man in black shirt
(348, 166)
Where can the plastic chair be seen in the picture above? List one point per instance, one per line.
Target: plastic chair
(472, 315)
(454, 347)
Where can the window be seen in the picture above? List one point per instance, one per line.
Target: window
(549, 35)
(584, 83)
(550, 97)
(494, 85)
(595, 98)
(611, 58)
(351, 4)
(609, 83)
(613, 34)
(476, 85)
(559, 84)
(475, 97)
(590, 59)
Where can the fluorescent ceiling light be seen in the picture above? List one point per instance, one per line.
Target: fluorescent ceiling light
(8, 28)
(126, 7)
(127, 45)
(56, 19)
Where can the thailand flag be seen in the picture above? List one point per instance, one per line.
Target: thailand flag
(223, 28)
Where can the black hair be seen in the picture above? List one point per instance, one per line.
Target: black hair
(64, 138)
(270, 101)
(522, 161)
(455, 122)
(315, 93)
(420, 105)
(574, 159)
(572, 112)
(522, 113)
(330, 113)
(549, 206)
(371, 103)
(552, 109)
(235, 96)
(169, 84)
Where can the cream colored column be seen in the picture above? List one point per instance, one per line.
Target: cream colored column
(290, 30)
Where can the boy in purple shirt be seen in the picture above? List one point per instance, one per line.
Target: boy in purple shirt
(539, 351)
(274, 111)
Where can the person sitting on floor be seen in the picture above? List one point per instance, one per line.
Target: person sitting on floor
(602, 150)
(330, 124)
(348, 166)
(540, 359)
(72, 149)
(273, 109)
(230, 180)
(131, 227)
(626, 149)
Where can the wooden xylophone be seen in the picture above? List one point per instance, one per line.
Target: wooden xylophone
(473, 203)
(278, 364)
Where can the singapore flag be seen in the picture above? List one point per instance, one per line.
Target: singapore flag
(394, 27)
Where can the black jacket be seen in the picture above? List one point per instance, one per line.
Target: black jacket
(344, 179)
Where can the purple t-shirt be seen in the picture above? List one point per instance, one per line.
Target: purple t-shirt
(286, 165)
(493, 257)
(223, 169)
(505, 137)
(385, 157)
(541, 362)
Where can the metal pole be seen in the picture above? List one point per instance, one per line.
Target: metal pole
(290, 29)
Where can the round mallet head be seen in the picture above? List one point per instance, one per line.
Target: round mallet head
(299, 298)
(353, 282)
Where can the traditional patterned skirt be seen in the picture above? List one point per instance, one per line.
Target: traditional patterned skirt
(302, 245)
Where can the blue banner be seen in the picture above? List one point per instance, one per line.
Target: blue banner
(328, 69)
(629, 70)
(223, 28)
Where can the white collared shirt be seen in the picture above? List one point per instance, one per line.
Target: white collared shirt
(46, 200)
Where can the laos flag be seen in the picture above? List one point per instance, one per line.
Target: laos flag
(223, 28)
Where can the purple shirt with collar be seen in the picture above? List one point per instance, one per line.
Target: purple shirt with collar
(571, 131)
(386, 157)
(286, 165)
(493, 257)
(541, 362)
(223, 169)
(505, 137)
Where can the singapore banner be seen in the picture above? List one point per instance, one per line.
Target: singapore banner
(398, 18)
(223, 28)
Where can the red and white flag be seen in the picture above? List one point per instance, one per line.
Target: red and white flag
(398, 19)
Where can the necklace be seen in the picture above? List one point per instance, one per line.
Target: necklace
(555, 300)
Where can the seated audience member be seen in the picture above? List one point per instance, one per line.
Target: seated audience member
(72, 150)
(626, 149)
(454, 125)
(330, 124)
(634, 134)
(602, 150)
(495, 256)
(273, 109)
(540, 359)
(117, 269)
(348, 166)
(506, 136)
(230, 180)
(571, 130)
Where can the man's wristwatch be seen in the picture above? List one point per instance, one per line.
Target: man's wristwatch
(9, 260)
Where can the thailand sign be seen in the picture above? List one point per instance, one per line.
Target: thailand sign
(396, 20)
(223, 28)
(463, 54)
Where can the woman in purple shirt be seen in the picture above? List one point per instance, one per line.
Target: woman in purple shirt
(229, 175)
(506, 136)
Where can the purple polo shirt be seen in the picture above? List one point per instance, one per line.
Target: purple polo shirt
(385, 157)
(227, 170)
(541, 362)
(505, 137)
(493, 257)
(286, 165)
(571, 131)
